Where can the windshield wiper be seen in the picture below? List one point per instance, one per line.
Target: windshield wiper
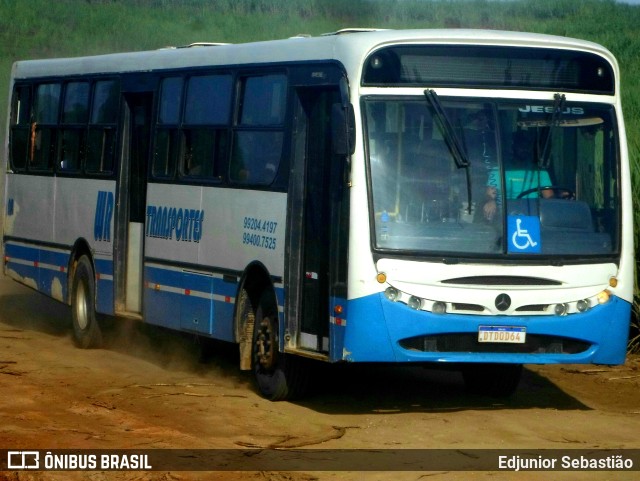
(544, 160)
(449, 134)
(451, 139)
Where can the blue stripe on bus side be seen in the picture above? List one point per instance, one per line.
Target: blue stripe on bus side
(161, 306)
(105, 286)
(337, 327)
(39, 268)
(23, 261)
(47, 270)
(172, 298)
(183, 300)
(162, 277)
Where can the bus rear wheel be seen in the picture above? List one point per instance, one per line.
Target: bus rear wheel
(86, 330)
(496, 380)
(279, 376)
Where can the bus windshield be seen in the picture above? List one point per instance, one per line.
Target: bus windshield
(541, 179)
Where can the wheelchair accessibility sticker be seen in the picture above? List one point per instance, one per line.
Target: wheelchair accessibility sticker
(524, 234)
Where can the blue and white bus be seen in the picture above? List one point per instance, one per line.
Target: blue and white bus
(454, 197)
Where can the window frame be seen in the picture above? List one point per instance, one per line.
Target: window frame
(110, 128)
(44, 130)
(82, 128)
(77, 126)
(219, 131)
(19, 126)
(243, 128)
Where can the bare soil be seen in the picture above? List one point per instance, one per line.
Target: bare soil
(150, 388)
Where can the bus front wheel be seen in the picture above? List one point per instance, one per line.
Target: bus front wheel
(86, 331)
(496, 380)
(279, 376)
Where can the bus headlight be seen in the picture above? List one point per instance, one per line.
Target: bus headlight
(583, 305)
(439, 307)
(392, 294)
(415, 303)
(561, 309)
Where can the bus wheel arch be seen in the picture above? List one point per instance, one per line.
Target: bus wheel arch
(82, 298)
(278, 376)
(255, 280)
(80, 248)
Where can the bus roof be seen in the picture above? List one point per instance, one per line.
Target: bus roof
(348, 46)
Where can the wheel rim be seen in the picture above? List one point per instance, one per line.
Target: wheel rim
(81, 307)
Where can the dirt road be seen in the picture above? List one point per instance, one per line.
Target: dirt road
(153, 389)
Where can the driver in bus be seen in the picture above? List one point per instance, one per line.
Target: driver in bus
(521, 175)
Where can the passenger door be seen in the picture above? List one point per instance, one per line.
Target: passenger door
(318, 207)
(132, 188)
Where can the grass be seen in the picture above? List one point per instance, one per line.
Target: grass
(42, 28)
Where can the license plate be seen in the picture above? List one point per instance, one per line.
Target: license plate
(506, 334)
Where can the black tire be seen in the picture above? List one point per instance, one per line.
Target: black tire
(86, 330)
(495, 380)
(278, 376)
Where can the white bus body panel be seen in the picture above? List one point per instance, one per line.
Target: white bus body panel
(237, 228)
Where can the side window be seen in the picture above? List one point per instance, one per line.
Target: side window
(101, 140)
(75, 114)
(208, 100)
(204, 132)
(76, 103)
(259, 132)
(43, 130)
(263, 100)
(256, 156)
(20, 127)
(167, 142)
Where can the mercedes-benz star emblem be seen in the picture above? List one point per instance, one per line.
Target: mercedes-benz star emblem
(503, 301)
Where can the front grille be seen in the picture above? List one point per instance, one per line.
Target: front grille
(461, 306)
(533, 308)
(502, 281)
(468, 342)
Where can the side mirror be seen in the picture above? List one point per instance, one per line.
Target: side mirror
(343, 134)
